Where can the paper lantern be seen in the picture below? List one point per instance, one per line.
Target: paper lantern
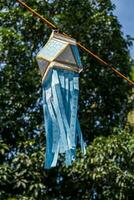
(59, 62)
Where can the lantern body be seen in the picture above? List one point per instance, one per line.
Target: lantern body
(60, 64)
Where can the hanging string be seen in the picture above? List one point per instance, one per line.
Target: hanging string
(52, 26)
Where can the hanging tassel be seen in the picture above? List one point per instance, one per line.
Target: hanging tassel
(60, 65)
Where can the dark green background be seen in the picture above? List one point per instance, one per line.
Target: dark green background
(106, 173)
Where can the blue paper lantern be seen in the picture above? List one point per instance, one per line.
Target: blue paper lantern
(59, 62)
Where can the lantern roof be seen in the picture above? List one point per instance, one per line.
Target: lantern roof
(59, 48)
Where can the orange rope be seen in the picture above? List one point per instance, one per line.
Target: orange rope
(78, 43)
(105, 63)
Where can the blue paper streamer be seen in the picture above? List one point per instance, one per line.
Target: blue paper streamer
(60, 102)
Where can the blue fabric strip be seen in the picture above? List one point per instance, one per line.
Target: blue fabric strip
(79, 133)
(74, 103)
(48, 128)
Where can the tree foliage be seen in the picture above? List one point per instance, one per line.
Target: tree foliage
(105, 100)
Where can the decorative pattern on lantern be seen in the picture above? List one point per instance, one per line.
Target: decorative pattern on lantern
(59, 62)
